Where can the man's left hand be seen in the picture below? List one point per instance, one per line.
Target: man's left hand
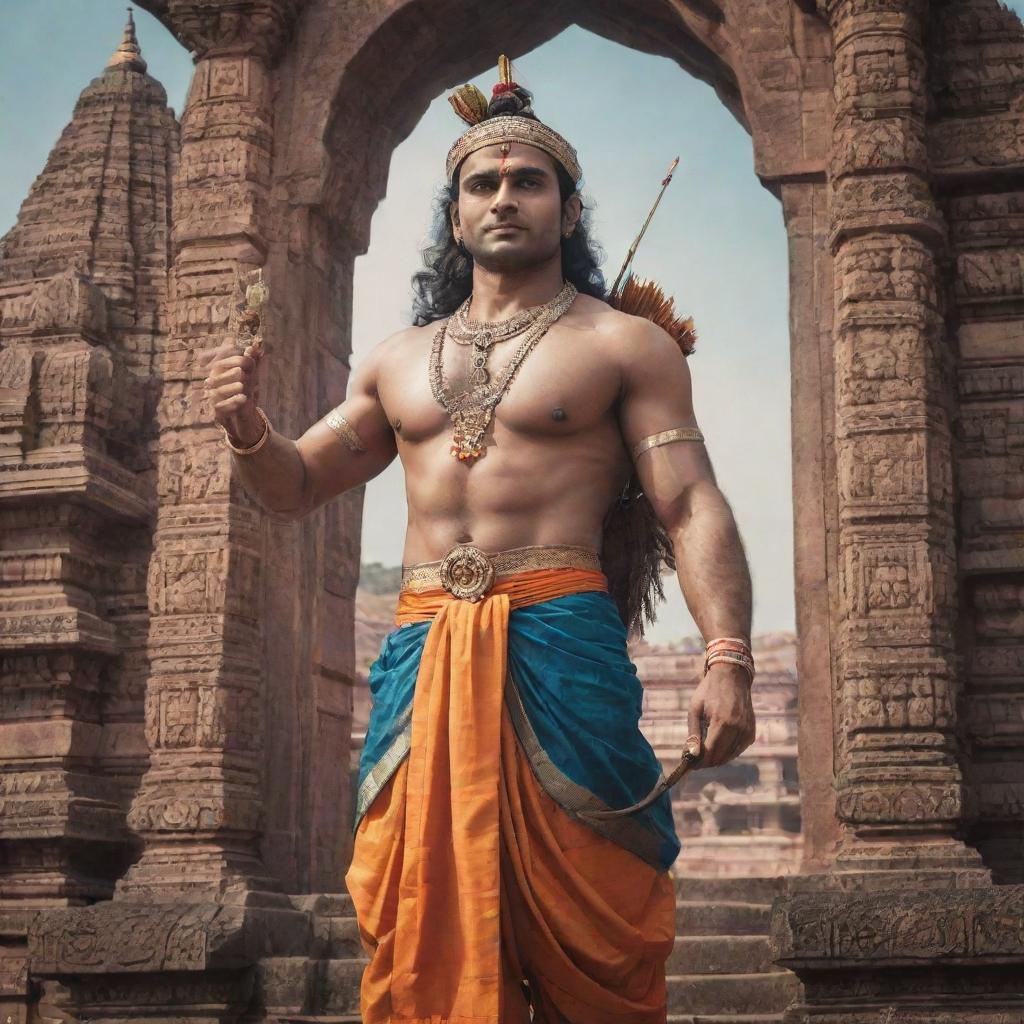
(723, 698)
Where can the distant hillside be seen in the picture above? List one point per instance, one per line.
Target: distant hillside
(376, 578)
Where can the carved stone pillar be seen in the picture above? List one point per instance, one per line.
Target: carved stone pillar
(900, 789)
(199, 808)
(190, 921)
(974, 149)
(909, 929)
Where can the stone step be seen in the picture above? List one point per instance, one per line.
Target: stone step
(298, 1018)
(700, 998)
(725, 1018)
(731, 993)
(324, 904)
(726, 917)
(339, 986)
(673, 1018)
(285, 981)
(720, 954)
(340, 938)
(713, 889)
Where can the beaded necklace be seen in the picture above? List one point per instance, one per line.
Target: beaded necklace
(471, 410)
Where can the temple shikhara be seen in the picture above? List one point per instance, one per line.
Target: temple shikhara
(180, 688)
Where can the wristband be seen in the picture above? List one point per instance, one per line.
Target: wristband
(253, 448)
(734, 650)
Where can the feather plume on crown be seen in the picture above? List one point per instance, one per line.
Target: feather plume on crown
(507, 116)
(469, 103)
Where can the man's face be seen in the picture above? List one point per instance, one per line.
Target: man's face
(509, 213)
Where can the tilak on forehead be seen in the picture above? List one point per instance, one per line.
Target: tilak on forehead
(512, 121)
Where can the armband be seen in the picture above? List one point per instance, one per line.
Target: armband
(666, 436)
(344, 430)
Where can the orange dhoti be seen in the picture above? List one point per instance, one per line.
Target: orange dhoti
(473, 867)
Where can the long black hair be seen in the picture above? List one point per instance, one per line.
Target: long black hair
(447, 278)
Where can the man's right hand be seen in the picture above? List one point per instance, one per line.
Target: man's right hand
(231, 381)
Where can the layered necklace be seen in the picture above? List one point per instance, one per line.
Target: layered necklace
(471, 410)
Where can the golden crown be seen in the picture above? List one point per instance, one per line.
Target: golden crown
(471, 105)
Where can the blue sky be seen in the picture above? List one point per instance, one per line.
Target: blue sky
(717, 244)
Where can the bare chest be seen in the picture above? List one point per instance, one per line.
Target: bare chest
(566, 383)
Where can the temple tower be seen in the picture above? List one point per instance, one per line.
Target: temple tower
(82, 291)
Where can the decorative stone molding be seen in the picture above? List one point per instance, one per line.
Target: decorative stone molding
(257, 27)
(902, 929)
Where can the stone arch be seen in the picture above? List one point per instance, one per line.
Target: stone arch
(351, 92)
(900, 192)
(372, 86)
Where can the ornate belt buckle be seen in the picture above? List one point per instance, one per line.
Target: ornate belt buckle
(467, 572)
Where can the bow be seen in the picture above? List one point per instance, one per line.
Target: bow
(690, 759)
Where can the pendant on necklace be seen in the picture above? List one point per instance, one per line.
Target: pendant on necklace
(467, 437)
(479, 376)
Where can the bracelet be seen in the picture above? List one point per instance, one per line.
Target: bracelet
(728, 643)
(734, 650)
(344, 430)
(253, 448)
(664, 437)
(735, 659)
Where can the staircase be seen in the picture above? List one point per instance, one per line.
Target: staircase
(718, 973)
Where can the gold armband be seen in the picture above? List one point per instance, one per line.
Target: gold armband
(664, 437)
(344, 430)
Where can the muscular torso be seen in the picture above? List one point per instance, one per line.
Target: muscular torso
(554, 458)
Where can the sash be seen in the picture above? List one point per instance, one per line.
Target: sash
(448, 724)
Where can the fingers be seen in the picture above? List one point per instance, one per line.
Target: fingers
(245, 360)
(725, 742)
(737, 748)
(229, 390)
(230, 369)
(235, 368)
(210, 356)
(228, 351)
(743, 740)
(231, 382)
(693, 719)
(719, 742)
(232, 404)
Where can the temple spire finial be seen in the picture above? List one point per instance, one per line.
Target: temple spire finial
(128, 55)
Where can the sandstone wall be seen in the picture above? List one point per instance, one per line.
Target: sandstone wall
(146, 598)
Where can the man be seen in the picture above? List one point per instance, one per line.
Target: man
(489, 880)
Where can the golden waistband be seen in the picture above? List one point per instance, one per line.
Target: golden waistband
(468, 572)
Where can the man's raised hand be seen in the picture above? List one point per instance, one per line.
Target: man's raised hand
(231, 382)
